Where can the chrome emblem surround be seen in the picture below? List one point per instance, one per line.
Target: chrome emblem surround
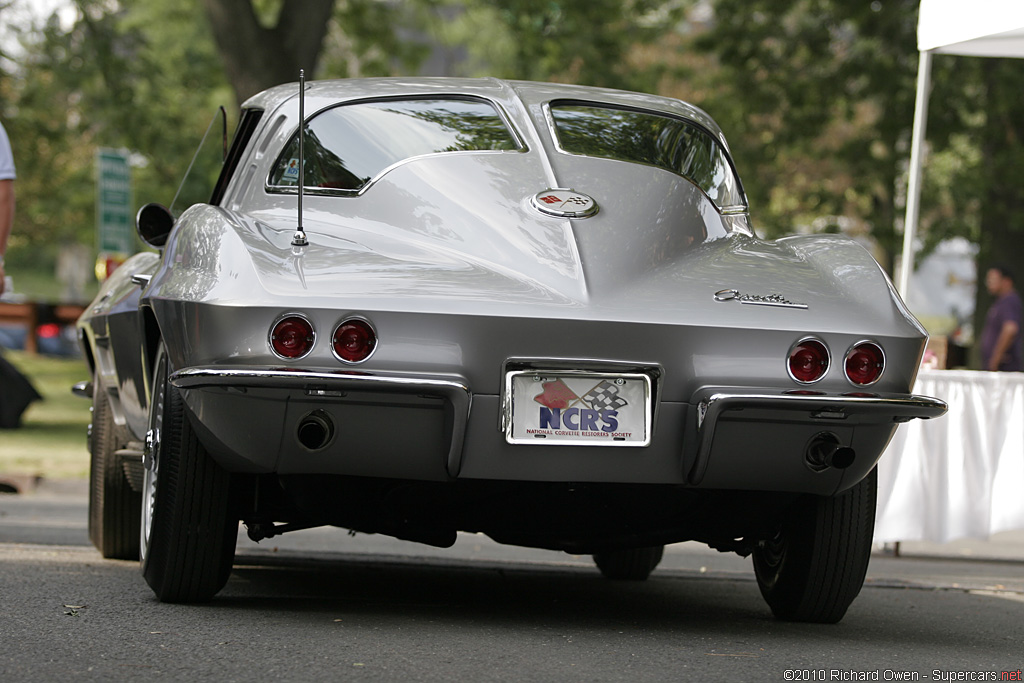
(564, 203)
(776, 300)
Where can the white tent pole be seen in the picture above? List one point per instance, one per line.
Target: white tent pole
(924, 70)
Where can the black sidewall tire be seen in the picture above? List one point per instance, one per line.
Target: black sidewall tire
(114, 507)
(192, 536)
(816, 567)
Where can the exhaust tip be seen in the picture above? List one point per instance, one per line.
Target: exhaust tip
(315, 431)
(843, 457)
(825, 452)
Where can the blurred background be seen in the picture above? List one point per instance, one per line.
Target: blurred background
(816, 98)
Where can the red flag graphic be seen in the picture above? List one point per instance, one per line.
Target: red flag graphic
(556, 395)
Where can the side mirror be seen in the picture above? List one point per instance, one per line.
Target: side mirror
(154, 223)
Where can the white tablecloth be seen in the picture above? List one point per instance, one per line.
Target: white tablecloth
(960, 475)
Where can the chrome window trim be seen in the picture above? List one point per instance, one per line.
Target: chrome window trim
(828, 359)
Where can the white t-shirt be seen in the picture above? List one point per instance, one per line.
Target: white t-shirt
(6, 157)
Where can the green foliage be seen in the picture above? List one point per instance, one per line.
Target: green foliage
(590, 42)
(817, 97)
(144, 75)
(117, 78)
(372, 38)
(978, 99)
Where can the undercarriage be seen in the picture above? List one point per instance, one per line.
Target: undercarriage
(579, 518)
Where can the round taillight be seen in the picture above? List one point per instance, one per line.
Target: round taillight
(864, 363)
(808, 361)
(354, 341)
(292, 337)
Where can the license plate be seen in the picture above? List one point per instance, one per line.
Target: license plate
(568, 408)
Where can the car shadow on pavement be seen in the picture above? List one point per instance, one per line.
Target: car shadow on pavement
(577, 599)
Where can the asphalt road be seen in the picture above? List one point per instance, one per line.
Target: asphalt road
(323, 606)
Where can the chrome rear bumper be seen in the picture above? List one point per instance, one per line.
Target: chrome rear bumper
(726, 417)
(252, 413)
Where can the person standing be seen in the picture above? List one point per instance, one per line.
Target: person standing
(7, 176)
(16, 392)
(1001, 336)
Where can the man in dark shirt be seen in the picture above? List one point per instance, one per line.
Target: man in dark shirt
(1001, 337)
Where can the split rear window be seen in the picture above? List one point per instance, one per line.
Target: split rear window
(349, 145)
(656, 139)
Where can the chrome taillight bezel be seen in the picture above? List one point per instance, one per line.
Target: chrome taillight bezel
(360, 321)
(789, 357)
(849, 353)
(273, 329)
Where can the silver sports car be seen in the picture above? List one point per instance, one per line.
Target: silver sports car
(533, 311)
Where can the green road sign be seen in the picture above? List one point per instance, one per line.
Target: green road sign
(113, 202)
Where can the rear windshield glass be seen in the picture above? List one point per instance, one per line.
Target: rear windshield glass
(349, 145)
(647, 137)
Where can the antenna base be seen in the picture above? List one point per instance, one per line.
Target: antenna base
(299, 239)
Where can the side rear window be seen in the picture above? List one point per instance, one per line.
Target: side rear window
(243, 134)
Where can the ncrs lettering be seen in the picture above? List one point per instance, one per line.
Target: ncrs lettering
(579, 419)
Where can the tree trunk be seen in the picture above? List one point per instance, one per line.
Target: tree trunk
(257, 57)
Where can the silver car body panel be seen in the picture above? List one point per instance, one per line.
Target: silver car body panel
(462, 277)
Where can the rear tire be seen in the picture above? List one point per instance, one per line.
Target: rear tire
(635, 564)
(816, 565)
(114, 508)
(188, 532)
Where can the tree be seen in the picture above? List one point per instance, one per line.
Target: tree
(821, 93)
(256, 56)
(976, 104)
(118, 77)
(591, 42)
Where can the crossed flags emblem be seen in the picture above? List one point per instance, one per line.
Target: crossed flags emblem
(603, 396)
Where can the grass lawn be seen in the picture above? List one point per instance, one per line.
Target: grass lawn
(41, 285)
(51, 440)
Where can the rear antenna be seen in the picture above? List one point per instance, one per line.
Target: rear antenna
(299, 238)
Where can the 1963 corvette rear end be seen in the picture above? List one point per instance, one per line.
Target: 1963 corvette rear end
(533, 311)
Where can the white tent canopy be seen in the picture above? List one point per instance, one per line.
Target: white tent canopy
(980, 28)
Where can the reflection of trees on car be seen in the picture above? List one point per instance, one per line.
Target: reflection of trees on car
(472, 131)
(348, 145)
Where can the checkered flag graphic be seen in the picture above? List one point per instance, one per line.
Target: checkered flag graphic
(605, 396)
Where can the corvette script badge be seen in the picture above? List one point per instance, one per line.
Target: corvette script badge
(564, 204)
(756, 299)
